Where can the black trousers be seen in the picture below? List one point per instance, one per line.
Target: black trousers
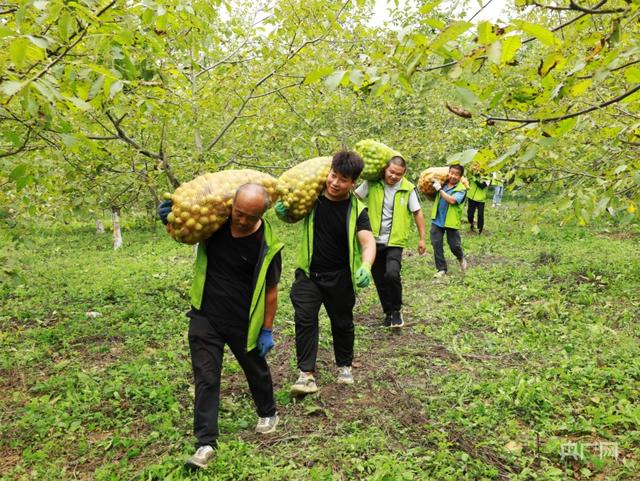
(454, 241)
(471, 210)
(206, 342)
(386, 275)
(335, 291)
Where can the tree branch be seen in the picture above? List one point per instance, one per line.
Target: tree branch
(19, 149)
(575, 7)
(628, 64)
(125, 138)
(568, 22)
(566, 116)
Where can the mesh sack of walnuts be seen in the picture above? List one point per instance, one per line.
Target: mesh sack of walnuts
(375, 155)
(300, 186)
(201, 206)
(441, 174)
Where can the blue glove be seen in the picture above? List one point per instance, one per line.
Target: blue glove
(265, 342)
(164, 209)
(363, 275)
(281, 210)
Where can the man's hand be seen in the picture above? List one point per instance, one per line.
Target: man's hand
(281, 210)
(265, 342)
(363, 275)
(164, 209)
(437, 185)
(422, 248)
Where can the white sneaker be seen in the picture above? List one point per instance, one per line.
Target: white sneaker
(201, 458)
(267, 425)
(463, 264)
(305, 384)
(439, 274)
(344, 375)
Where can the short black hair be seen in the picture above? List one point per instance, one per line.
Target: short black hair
(398, 160)
(347, 163)
(457, 167)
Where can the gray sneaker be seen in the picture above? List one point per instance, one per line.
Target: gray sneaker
(463, 264)
(267, 425)
(306, 384)
(201, 458)
(344, 375)
(439, 274)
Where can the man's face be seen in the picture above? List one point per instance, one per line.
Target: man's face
(393, 174)
(338, 186)
(245, 214)
(454, 176)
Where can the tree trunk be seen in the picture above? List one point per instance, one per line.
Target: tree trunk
(99, 227)
(115, 221)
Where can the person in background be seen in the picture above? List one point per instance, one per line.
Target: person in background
(392, 202)
(337, 251)
(234, 298)
(446, 217)
(477, 195)
(498, 189)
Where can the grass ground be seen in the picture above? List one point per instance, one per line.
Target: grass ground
(502, 374)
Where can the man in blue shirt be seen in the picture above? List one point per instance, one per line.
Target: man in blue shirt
(446, 216)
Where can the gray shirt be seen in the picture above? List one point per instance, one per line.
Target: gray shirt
(387, 206)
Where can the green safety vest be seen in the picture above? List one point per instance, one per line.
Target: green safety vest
(306, 246)
(270, 247)
(477, 193)
(401, 216)
(453, 220)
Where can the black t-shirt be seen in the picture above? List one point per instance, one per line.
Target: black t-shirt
(330, 239)
(231, 268)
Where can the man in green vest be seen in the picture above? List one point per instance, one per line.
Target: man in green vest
(337, 250)
(446, 216)
(477, 195)
(234, 297)
(392, 201)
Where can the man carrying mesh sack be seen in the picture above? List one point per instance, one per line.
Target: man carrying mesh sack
(337, 250)
(392, 202)
(446, 217)
(234, 299)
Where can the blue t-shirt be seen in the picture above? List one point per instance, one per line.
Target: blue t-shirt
(443, 205)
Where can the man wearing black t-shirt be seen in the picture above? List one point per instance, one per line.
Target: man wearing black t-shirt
(336, 255)
(234, 299)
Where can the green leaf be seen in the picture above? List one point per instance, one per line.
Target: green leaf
(81, 104)
(115, 88)
(494, 52)
(632, 74)
(538, 31)
(485, 33)
(462, 158)
(356, 77)
(510, 46)
(11, 87)
(529, 154)
(467, 97)
(18, 51)
(39, 42)
(18, 172)
(317, 75)
(580, 88)
(619, 169)
(333, 80)
(427, 8)
(6, 31)
(452, 32)
(65, 25)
